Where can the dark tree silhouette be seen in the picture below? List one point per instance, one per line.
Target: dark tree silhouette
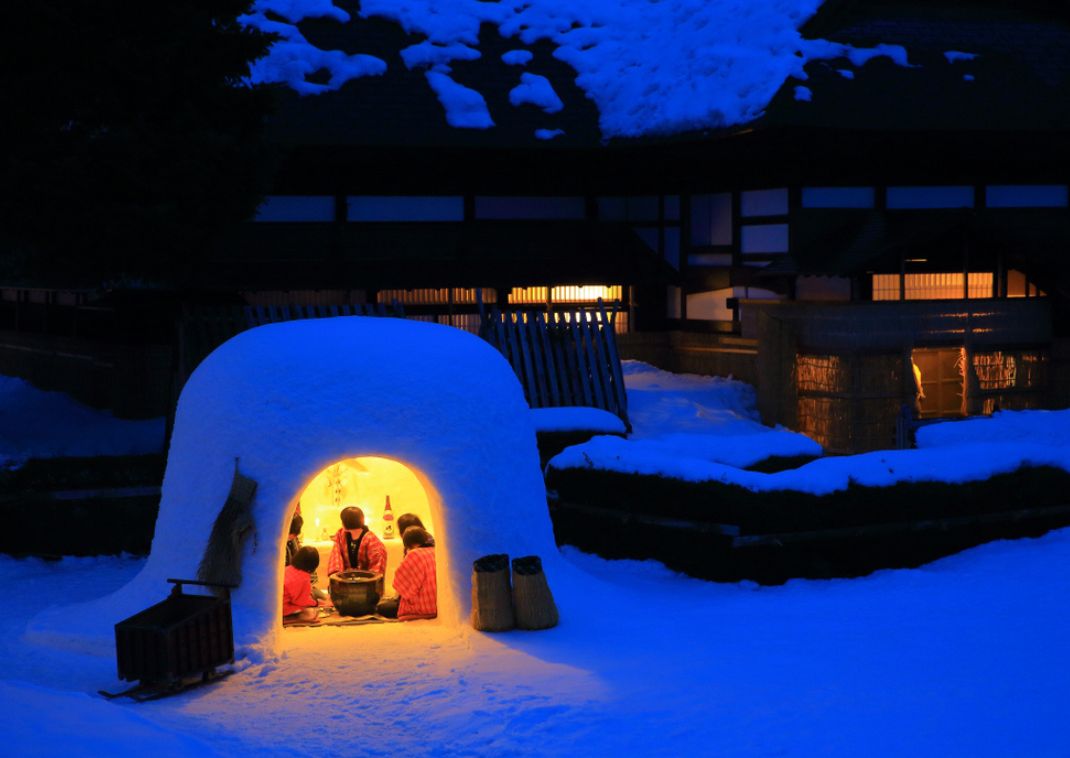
(132, 138)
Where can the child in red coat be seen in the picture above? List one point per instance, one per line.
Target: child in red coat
(355, 547)
(415, 580)
(298, 604)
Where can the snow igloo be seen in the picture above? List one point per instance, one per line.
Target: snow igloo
(432, 412)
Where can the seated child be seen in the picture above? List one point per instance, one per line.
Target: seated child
(415, 581)
(293, 541)
(405, 520)
(355, 547)
(298, 604)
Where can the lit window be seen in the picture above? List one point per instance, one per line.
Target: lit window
(936, 286)
(585, 293)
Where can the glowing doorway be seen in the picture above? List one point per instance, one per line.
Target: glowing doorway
(365, 482)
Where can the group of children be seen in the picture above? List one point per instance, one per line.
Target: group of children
(356, 547)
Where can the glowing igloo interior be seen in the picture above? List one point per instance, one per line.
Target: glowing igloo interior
(365, 482)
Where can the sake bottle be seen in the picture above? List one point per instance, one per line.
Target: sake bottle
(388, 520)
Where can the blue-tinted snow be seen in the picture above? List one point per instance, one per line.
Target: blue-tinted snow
(465, 108)
(517, 57)
(536, 90)
(651, 68)
(705, 429)
(965, 656)
(39, 424)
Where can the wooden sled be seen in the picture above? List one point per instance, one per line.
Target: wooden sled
(145, 691)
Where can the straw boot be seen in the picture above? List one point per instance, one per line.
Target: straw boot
(492, 602)
(533, 602)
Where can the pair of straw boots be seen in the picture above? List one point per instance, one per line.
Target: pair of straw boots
(496, 607)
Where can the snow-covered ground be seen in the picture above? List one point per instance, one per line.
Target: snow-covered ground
(39, 424)
(701, 428)
(966, 656)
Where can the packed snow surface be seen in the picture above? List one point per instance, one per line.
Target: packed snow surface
(576, 419)
(706, 429)
(965, 656)
(39, 424)
(650, 67)
(689, 426)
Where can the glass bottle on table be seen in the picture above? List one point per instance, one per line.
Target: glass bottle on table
(388, 520)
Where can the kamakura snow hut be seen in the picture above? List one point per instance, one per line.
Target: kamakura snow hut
(289, 401)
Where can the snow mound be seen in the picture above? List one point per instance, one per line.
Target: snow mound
(283, 402)
(576, 419)
(699, 428)
(1030, 427)
(650, 67)
(39, 424)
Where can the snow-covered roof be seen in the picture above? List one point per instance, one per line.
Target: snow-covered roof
(288, 400)
(565, 73)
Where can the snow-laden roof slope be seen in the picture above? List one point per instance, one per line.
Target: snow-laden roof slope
(650, 67)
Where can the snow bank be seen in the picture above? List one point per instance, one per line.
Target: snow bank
(702, 429)
(287, 400)
(576, 420)
(650, 67)
(39, 424)
(1029, 427)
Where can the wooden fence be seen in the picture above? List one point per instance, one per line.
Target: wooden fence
(562, 359)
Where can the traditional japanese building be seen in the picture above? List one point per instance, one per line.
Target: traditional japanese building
(884, 239)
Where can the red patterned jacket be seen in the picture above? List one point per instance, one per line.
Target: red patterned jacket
(370, 557)
(415, 581)
(296, 591)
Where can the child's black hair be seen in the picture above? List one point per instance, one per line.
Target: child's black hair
(405, 520)
(352, 517)
(307, 559)
(415, 537)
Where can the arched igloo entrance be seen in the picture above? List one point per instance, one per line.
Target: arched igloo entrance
(368, 483)
(283, 402)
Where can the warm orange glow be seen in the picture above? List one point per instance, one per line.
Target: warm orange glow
(364, 482)
(572, 293)
(527, 295)
(940, 286)
(440, 296)
(585, 293)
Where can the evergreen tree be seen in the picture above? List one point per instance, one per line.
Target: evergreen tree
(134, 139)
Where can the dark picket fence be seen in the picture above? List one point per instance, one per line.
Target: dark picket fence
(562, 358)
